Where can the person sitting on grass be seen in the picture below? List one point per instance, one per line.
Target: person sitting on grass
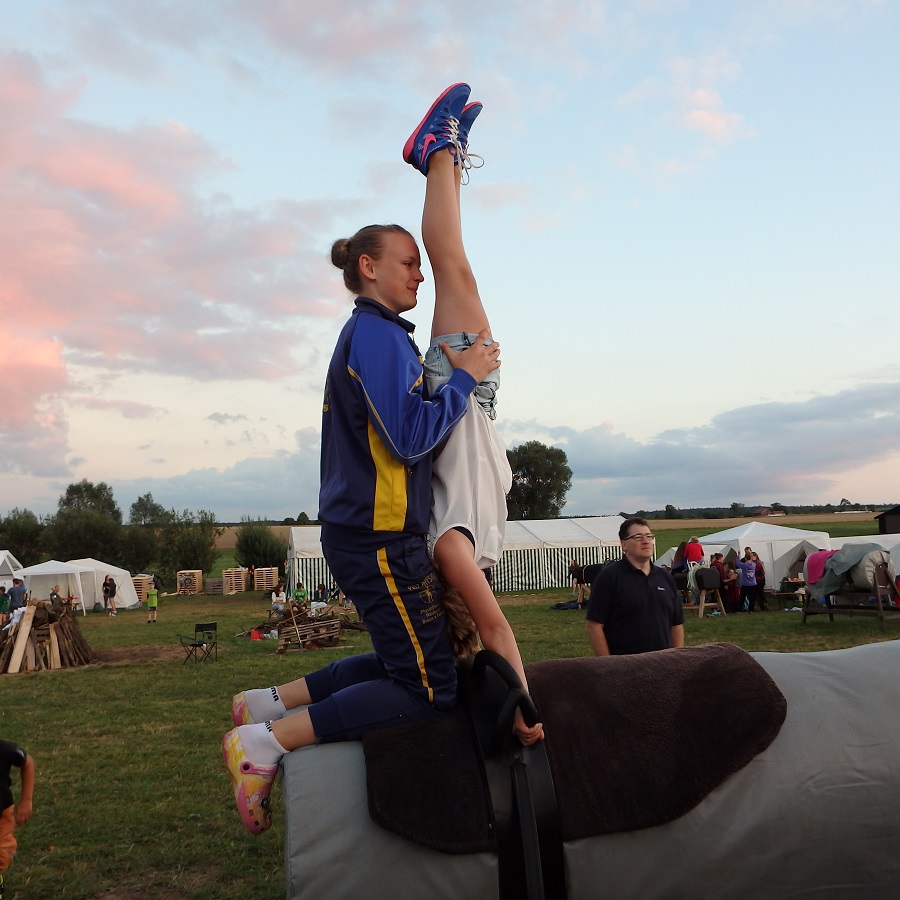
(279, 598)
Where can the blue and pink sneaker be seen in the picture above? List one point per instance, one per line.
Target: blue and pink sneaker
(465, 159)
(439, 128)
(468, 115)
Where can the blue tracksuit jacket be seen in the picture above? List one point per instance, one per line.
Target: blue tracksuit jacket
(379, 432)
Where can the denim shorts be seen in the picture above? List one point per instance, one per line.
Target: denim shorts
(438, 369)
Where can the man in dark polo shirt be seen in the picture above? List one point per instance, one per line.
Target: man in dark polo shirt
(634, 606)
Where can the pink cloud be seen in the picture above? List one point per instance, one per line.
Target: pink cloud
(703, 111)
(28, 372)
(114, 259)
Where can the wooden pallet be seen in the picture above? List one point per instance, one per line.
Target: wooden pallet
(193, 582)
(297, 635)
(265, 579)
(235, 581)
(214, 586)
(141, 586)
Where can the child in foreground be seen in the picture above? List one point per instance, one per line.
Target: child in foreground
(11, 813)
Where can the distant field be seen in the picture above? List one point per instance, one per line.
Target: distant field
(672, 537)
(836, 525)
(805, 520)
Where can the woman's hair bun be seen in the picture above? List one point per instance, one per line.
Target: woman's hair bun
(339, 252)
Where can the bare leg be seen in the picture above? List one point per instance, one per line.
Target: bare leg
(457, 304)
(453, 556)
(294, 694)
(294, 731)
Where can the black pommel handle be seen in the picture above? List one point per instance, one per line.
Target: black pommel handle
(517, 698)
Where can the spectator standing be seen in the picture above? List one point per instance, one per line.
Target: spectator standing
(731, 583)
(152, 602)
(747, 568)
(634, 605)
(17, 595)
(109, 594)
(575, 570)
(760, 581)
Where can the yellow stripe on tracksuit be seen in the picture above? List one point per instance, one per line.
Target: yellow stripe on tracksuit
(389, 512)
(385, 569)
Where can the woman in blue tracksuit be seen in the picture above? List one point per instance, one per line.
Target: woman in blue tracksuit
(378, 436)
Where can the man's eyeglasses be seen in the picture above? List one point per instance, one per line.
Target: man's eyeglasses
(639, 537)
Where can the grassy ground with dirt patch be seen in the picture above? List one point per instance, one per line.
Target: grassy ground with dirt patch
(132, 799)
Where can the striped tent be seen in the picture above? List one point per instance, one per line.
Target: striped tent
(536, 554)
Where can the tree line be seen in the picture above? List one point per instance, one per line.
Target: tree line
(89, 523)
(739, 510)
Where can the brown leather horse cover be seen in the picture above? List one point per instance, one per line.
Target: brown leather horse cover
(633, 742)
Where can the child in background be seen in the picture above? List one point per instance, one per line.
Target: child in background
(152, 602)
(12, 814)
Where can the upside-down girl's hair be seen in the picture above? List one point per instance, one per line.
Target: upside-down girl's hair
(460, 625)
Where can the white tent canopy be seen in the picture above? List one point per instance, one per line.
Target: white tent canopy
(708, 550)
(42, 578)
(536, 553)
(781, 549)
(79, 578)
(8, 565)
(126, 595)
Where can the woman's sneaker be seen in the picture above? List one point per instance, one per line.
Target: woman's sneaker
(439, 128)
(464, 158)
(468, 115)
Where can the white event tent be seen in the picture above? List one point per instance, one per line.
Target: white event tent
(536, 554)
(8, 565)
(81, 578)
(126, 595)
(781, 549)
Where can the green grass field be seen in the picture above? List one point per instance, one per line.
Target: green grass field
(132, 799)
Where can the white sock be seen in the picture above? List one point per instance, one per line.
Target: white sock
(264, 704)
(260, 745)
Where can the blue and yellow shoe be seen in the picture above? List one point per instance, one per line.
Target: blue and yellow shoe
(439, 128)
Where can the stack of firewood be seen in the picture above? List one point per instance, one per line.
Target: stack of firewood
(46, 637)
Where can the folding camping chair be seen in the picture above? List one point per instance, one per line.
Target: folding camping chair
(203, 642)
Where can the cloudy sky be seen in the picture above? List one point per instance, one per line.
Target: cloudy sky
(686, 234)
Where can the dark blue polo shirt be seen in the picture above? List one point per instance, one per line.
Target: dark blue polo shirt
(637, 611)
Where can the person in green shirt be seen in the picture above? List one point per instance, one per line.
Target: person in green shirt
(152, 602)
